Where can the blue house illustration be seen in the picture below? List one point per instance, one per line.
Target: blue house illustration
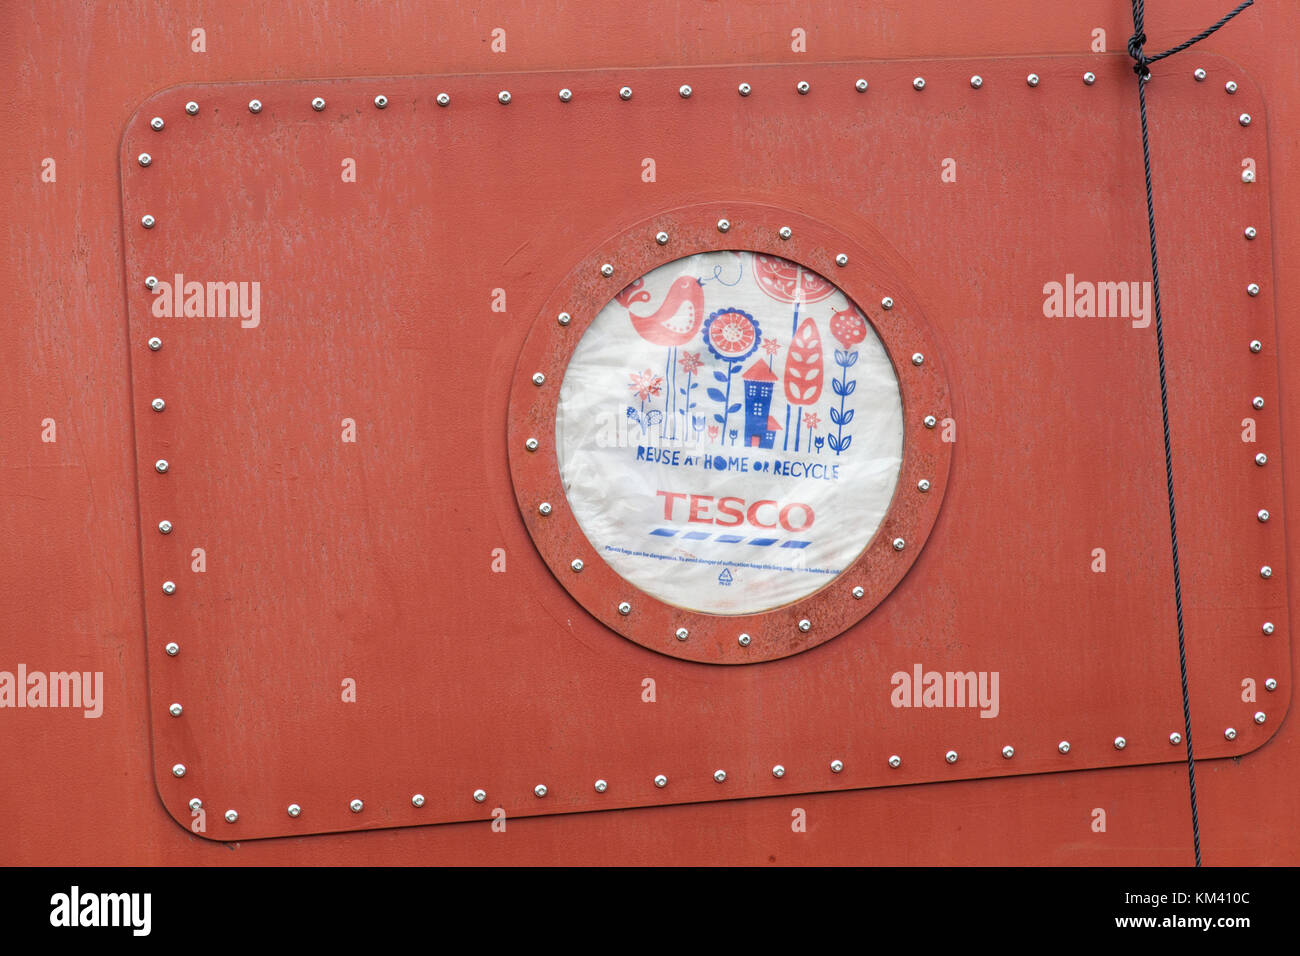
(760, 426)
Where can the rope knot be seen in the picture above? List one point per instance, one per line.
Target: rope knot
(1135, 43)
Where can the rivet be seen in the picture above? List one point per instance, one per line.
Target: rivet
(805, 625)
(625, 93)
(165, 526)
(151, 283)
(744, 89)
(778, 771)
(841, 260)
(317, 104)
(720, 775)
(785, 232)
(1063, 746)
(930, 421)
(254, 106)
(295, 810)
(356, 806)
(724, 225)
(196, 803)
(1262, 515)
(531, 444)
(923, 485)
(744, 640)
(1175, 739)
(858, 592)
(1008, 751)
(158, 404)
(1244, 119)
(684, 92)
(918, 358)
(544, 508)
(1032, 79)
(1120, 743)
(1199, 74)
(682, 634)
(886, 303)
(899, 544)
(231, 816)
(161, 466)
(1268, 627)
(1266, 572)
(175, 710)
(1230, 86)
(1270, 684)
(1251, 232)
(976, 82)
(381, 101)
(539, 378)
(443, 99)
(178, 770)
(144, 159)
(918, 83)
(503, 97)
(1252, 289)
(156, 124)
(172, 649)
(950, 756)
(192, 108)
(1230, 733)
(1247, 175)
(566, 94)
(539, 791)
(661, 238)
(860, 86)
(625, 609)
(147, 221)
(564, 318)
(895, 761)
(155, 344)
(480, 796)
(576, 564)
(1256, 346)
(1089, 78)
(607, 270)
(1259, 717)
(661, 781)
(1257, 401)
(601, 786)
(417, 800)
(803, 87)
(1261, 459)
(837, 766)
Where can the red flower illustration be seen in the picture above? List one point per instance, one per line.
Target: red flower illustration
(810, 420)
(788, 281)
(731, 334)
(771, 346)
(690, 363)
(645, 384)
(848, 327)
(713, 433)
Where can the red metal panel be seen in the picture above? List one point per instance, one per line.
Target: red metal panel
(330, 560)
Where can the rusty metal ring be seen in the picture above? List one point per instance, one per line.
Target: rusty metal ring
(534, 465)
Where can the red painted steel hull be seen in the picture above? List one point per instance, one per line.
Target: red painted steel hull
(80, 571)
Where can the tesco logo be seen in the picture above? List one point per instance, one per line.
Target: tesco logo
(730, 512)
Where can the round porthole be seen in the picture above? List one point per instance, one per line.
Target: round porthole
(724, 446)
(729, 432)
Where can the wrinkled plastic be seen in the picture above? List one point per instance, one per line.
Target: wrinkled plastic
(729, 432)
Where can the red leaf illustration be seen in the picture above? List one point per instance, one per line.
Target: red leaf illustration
(804, 366)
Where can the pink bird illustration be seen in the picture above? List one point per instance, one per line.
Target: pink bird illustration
(678, 319)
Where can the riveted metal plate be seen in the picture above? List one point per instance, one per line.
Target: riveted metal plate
(366, 604)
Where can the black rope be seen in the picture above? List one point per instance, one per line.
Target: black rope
(1141, 67)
